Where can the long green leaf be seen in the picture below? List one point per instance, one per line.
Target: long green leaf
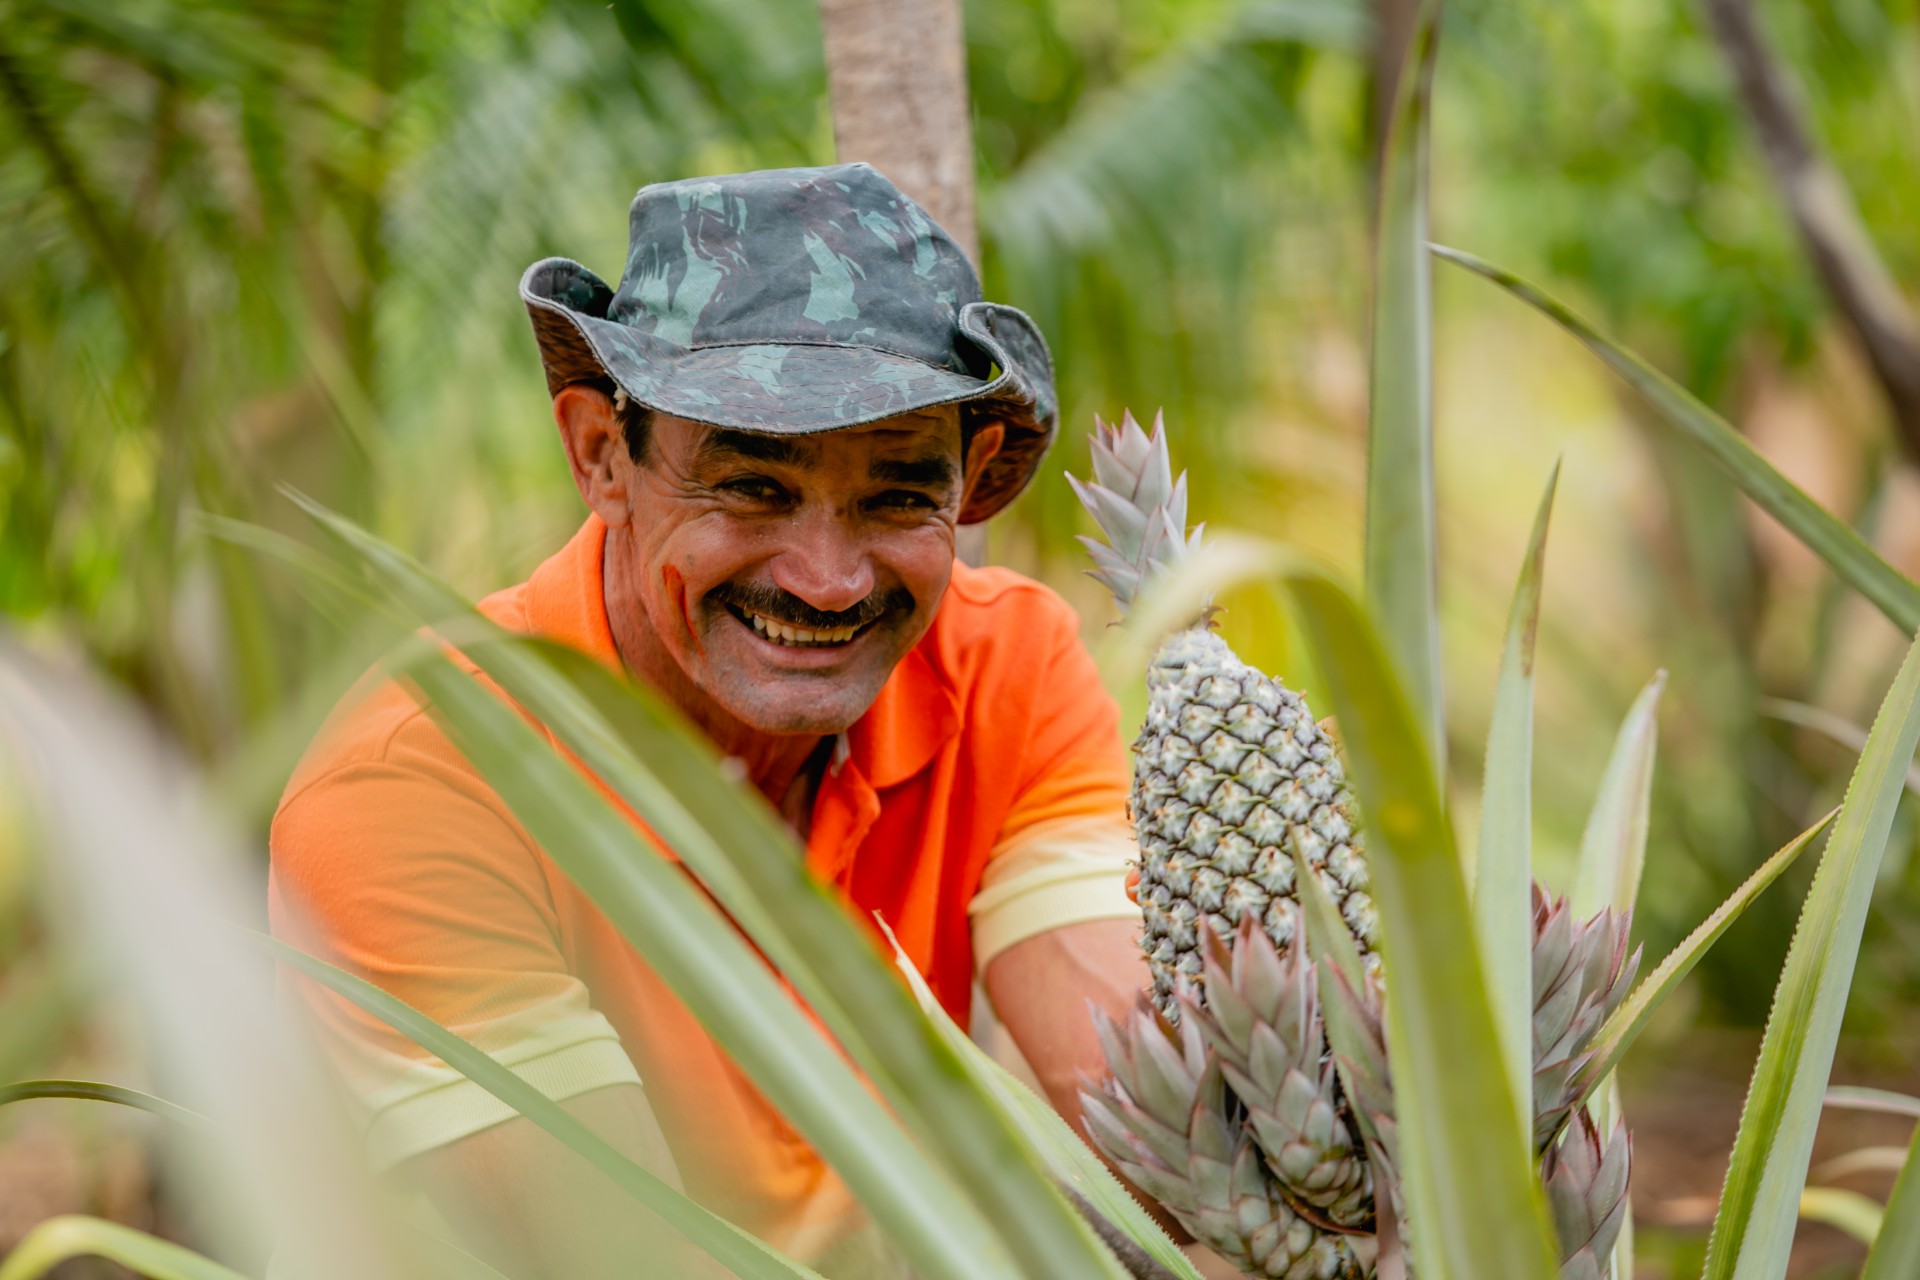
(1340, 977)
(147, 868)
(1470, 1185)
(739, 1251)
(1329, 938)
(1847, 1211)
(1856, 1098)
(1618, 1033)
(94, 1091)
(1860, 1160)
(1613, 855)
(1401, 561)
(660, 765)
(1837, 728)
(1613, 848)
(816, 945)
(684, 938)
(1896, 1254)
(1503, 870)
(1844, 550)
(1753, 1231)
(70, 1236)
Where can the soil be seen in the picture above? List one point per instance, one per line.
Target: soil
(1684, 1111)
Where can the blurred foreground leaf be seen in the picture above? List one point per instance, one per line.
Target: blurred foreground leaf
(742, 1254)
(684, 938)
(62, 1239)
(94, 1091)
(146, 869)
(1067, 1155)
(1401, 559)
(727, 834)
(1473, 1202)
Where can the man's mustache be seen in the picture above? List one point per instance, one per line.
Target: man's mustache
(783, 606)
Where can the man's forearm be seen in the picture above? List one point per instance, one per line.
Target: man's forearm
(1041, 989)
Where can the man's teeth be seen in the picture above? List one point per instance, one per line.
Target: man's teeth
(781, 633)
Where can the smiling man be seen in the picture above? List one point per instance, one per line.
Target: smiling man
(778, 423)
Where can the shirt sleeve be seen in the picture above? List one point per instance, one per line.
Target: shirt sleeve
(1066, 844)
(412, 876)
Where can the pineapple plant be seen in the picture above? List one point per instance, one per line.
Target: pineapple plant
(1230, 763)
(1224, 1099)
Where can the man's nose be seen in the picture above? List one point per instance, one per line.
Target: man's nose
(824, 563)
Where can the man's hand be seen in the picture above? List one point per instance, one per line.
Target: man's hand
(535, 1209)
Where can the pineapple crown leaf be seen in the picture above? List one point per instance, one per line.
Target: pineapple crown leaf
(1124, 524)
(1139, 505)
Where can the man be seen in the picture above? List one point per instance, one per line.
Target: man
(778, 422)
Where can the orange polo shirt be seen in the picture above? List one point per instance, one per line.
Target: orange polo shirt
(991, 758)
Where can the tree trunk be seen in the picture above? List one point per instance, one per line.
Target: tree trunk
(1857, 281)
(897, 80)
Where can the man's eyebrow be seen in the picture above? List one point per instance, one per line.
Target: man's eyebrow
(721, 445)
(935, 471)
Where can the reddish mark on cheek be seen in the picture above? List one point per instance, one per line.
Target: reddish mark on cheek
(676, 587)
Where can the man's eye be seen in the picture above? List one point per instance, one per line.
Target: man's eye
(905, 500)
(755, 488)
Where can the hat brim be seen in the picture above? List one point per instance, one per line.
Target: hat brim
(802, 388)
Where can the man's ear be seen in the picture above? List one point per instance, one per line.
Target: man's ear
(983, 448)
(596, 446)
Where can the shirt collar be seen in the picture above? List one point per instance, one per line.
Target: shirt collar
(915, 715)
(566, 596)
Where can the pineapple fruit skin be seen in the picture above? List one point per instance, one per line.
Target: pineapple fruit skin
(1229, 769)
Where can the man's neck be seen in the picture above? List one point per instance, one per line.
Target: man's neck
(782, 767)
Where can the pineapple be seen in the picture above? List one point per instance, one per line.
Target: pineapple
(1229, 765)
(1223, 1100)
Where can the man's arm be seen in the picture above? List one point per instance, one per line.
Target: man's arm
(535, 1209)
(1041, 988)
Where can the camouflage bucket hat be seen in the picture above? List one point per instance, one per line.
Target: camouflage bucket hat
(792, 301)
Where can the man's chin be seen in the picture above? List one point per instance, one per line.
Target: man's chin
(791, 706)
(818, 722)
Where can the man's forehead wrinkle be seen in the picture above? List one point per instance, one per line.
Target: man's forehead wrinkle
(720, 444)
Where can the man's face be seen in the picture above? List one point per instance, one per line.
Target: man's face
(787, 575)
